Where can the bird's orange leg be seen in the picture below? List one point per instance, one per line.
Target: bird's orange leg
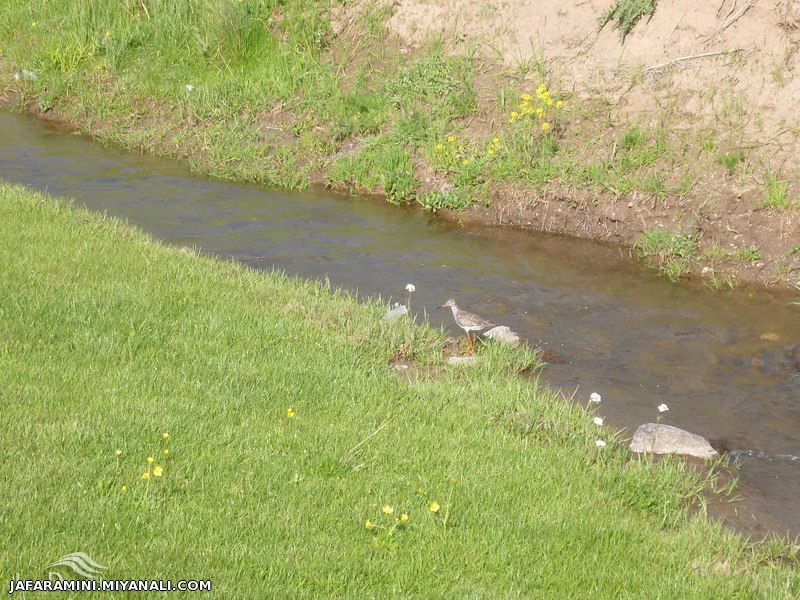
(471, 341)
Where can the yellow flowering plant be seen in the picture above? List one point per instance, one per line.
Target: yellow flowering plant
(389, 523)
(532, 137)
(538, 109)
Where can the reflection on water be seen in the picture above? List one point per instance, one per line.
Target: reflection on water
(723, 362)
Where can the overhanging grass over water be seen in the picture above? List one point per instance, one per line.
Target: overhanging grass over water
(267, 96)
(108, 340)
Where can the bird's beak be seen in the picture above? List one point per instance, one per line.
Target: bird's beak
(438, 307)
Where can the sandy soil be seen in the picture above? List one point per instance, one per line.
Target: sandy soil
(751, 91)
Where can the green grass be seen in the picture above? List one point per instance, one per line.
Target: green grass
(748, 254)
(715, 252)
(776, 192)
(273, 92)
(277, 96)
(731, 161)
(109, 339)
(670, 253)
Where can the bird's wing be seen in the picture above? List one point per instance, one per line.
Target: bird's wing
(477, 321)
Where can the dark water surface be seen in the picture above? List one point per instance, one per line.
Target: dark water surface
(721, 361)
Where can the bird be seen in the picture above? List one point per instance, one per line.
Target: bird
(467, 321)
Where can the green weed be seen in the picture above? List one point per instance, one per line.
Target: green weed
(748, 255)
(731, 161)
(625, 14)
(776, 194)
(671, 253)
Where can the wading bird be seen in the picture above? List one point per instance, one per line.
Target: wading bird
(467, 321)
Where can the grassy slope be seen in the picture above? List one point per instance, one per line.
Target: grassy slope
(108, 339)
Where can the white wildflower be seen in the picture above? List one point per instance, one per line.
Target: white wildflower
(663, 408)
(410, 288)
(598, 421)
(189, 87)
(595, 397)
(600, 444)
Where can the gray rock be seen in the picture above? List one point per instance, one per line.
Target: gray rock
(461, 360)
(396, 312)
(503, 334)
(656, 438)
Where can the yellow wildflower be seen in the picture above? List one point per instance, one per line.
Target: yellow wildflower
(403, 518)
(158, 471)
(33, 24)
(560, 104)
(123, 489)
(433, 507)
(387, 510)
(107, 34)
(490, 151)
(166, 451)
(545, 126)
(165, 436)
(146, 475)
(514, 115)
(526, 97)
(290, 413)
(496, 141)
(465, 162)
(150, 460)
(451, 139)
(368, 524)
(117, 452)
(439, 147)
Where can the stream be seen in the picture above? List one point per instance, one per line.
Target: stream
(722, 361)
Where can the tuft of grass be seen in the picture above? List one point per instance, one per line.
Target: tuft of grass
(655, 184)
(715, 252)
(625, 14)
(634, 137)
(776, 193)
(382, 164)
(671, 253)
(291, 438)
(748, 255)
(731, 161)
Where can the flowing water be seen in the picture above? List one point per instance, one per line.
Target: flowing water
(722, 362)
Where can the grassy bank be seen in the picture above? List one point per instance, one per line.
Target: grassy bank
(288, 434)
(290, 93)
